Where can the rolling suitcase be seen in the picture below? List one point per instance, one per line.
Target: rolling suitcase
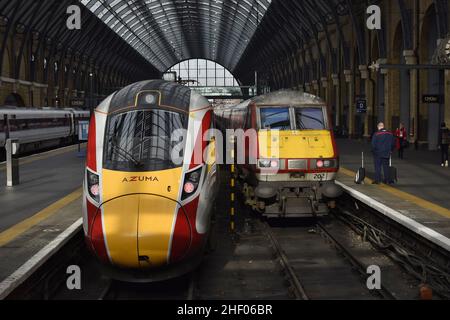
(361, 173)
(393, 178)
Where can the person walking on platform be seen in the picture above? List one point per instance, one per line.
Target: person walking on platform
(401, 140)
(444, 140)
(383, 143)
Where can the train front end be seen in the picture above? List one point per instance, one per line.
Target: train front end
(297, 157)
(147, 205)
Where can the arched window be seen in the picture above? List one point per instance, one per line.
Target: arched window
(204, 73)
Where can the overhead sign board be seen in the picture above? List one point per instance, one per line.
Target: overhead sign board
(77, 103)
(432, 98)
(361, 106)
(170, 76)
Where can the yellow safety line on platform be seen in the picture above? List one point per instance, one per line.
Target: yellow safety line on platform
(405, 196)
(45, 155)
(18, 229)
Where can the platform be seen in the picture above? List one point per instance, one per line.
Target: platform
(39, 215)
(419, 201)
(420, 173)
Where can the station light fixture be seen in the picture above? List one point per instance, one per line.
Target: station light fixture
(447, 50)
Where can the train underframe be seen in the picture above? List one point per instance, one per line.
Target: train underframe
(289, 199)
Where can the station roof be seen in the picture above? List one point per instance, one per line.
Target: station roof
(154, 35)
(166, 32)
(43, 25)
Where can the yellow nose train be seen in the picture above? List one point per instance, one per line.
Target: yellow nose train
(147, 199)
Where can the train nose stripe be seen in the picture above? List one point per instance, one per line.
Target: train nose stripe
(120, 221)
(155, 228)
(144, 238)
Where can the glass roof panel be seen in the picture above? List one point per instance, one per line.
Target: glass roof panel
(168, 31)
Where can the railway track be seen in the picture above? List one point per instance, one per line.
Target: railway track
(319, 259)
(177, 289)
(295, 285)
(428, 263)
(358, 265)
(317, 265)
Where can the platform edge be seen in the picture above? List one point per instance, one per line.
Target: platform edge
(400, 218)
(26, 270)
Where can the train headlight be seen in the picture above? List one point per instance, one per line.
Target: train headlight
(326, 164)
(269, 164)
(320, 164)
(189, 188)
(93, 185)
(191, 183)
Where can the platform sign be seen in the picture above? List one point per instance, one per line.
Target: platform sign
(431, 98)
(77, 103)
(170, 76)
(83, 130)
(361, 106)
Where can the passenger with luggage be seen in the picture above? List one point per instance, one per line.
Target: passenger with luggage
(444, 141)
(401, 140)
(383, 143)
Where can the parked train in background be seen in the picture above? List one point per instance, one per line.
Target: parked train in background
(295, 158)
(38, 129)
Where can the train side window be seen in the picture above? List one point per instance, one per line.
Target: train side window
(2, 125)
(12, 125)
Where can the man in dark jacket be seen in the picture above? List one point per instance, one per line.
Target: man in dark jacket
(383, 143)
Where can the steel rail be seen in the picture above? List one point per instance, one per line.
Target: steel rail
(361, 267)
(296, 288)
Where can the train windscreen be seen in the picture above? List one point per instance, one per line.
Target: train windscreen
(308, 118)
(143, 140)
(275, 118)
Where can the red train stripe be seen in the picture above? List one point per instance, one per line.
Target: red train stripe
(186, 240)
(91, 157)
(95, 231)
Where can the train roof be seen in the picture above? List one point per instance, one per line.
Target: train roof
(171, 95)
(280, 98)
(288, 97)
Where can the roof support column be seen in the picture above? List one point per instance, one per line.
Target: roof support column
(411, 59)
(369, 89)
(337, 98)
(351, 101)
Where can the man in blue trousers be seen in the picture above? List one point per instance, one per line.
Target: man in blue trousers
(383, 143)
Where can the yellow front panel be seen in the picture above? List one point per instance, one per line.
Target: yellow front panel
(295, 144)
(134, 216)
(120, 221)
(156, 218)
(117, 183)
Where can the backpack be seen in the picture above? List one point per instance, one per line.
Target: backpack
(445, 136)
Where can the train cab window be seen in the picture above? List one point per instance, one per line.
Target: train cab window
(142, 140)
(310, 118)
(275, 118)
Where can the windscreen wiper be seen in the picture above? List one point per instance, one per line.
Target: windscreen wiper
(124, 153)
(314, 119)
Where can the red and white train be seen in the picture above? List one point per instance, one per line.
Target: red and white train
(147, 216)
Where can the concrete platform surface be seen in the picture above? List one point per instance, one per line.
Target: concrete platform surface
(35, 215)
(420, 174)
(44, 179)
(26, 252)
